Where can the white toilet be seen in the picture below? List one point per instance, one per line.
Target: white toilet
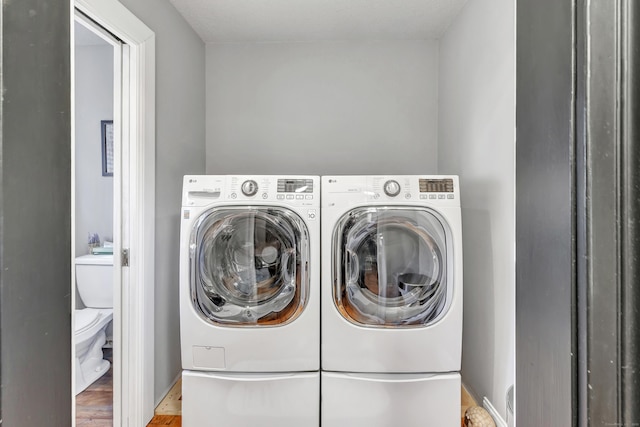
(94, 281)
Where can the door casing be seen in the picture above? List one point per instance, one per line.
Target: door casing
(134, 212)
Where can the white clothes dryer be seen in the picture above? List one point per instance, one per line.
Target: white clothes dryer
(249, 299)
(391, 300)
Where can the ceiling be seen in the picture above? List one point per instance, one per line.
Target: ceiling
(229, 21)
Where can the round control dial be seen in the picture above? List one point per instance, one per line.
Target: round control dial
(391, 188)
(249, 188)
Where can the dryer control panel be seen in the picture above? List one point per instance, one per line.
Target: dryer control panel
(202, 190)
(442, 190)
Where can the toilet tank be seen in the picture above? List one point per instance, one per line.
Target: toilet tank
(94, 280)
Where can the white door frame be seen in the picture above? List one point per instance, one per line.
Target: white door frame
(135, 188)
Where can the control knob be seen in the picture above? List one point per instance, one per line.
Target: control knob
(249, 188)
(391, 188)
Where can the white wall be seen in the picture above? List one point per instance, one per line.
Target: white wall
(322, 108)
(94, 102)
(180, 147)
(477, 141)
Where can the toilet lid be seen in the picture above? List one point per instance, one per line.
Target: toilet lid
(86, 318)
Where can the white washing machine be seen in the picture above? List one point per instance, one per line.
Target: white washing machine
(391, 301)
(250, 300)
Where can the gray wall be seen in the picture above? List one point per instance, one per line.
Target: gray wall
(322, 108)
(94, 102)
(394, 107)
(544, 214)
(477, 141)
(35, 215)
(180, 150)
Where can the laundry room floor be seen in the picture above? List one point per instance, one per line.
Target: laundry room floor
(168, 413)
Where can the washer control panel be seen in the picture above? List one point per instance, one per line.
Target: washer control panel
(432, 189)
(201, 190)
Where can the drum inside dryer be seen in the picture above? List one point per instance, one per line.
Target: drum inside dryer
(249, 266)
(390, 266)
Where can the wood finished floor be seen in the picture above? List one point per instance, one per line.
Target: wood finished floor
(94, 406)
(166, 421)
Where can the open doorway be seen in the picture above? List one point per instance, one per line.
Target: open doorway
(127, 159)
(97, 77)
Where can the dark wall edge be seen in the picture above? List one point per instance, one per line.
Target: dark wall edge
(545, 212)
(35, 319)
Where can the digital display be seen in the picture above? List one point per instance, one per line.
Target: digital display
(295, 186)
(436, 186)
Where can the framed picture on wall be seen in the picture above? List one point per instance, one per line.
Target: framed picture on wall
(107, 147)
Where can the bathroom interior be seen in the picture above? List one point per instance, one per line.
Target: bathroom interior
(255, 99)
(93, 224)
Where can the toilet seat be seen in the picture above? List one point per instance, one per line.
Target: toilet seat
(90, 320)
(85, 319)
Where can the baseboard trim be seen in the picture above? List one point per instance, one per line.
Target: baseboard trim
(166, 392)
(486, 404)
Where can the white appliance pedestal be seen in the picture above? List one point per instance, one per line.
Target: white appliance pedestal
(383, 400)
(224, 399)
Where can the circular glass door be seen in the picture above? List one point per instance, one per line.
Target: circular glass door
(390, 267)
(249, 266)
